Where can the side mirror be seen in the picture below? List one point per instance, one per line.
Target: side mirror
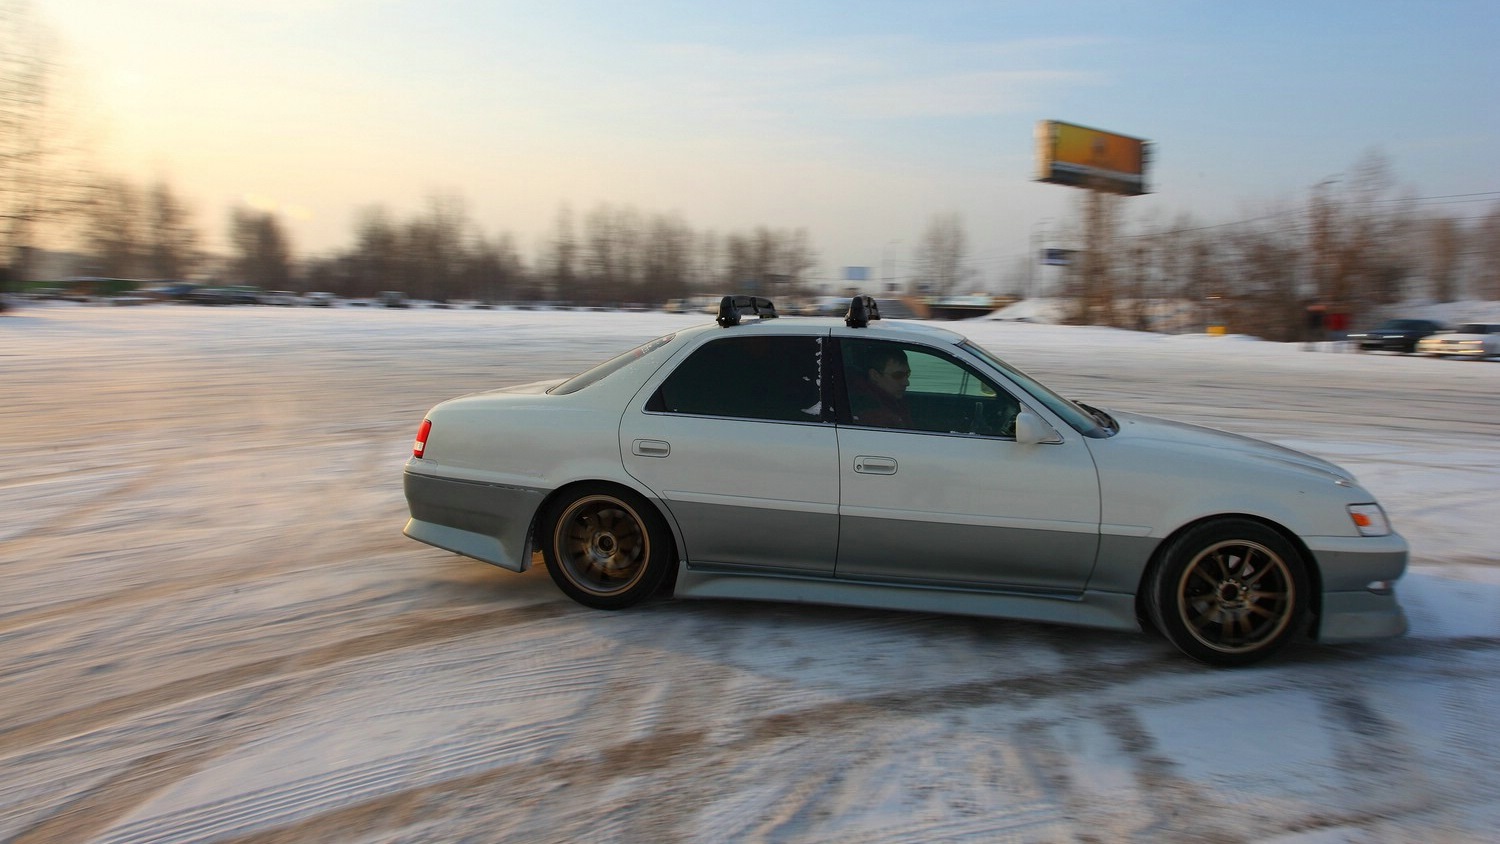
(1032, 429)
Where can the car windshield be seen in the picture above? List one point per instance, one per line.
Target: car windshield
(1079, 418)
(1405, 324)
(1473, 328)
(609, 367)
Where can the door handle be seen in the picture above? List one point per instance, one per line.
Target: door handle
(868, 465)
(650, 448)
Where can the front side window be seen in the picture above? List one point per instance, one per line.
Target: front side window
(908, 387)
(776, 378)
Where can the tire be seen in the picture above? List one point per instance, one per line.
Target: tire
(1230, 592)
(605, 546)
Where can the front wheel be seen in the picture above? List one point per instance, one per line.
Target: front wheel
(605, 547)
(1230, 592)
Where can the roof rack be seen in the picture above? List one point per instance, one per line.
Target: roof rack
(730, 308)
(862, 309)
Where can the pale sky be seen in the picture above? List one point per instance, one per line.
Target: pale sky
(858, 121)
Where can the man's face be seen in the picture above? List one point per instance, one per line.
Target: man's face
(893, 379)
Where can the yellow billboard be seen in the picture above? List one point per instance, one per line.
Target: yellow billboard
(1088, 158)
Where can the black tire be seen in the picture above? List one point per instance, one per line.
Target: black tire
(1230, 592)
(605, 546)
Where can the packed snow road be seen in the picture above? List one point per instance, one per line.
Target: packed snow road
(213, 629)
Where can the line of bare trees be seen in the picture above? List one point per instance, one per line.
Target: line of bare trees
(1354, 245)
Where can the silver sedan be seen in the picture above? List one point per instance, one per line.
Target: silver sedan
(898, 465)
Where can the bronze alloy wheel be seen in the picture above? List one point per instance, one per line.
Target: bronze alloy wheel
(1230, 592)
(606, 548)
(1236, 596)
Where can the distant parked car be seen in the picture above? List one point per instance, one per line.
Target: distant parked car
(1478, 340)
(280, 297)
(168, 290)
(320, 299)
(208, 296)
(1396, 335)
(393, 299)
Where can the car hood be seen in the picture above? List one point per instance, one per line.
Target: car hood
(1181, 435)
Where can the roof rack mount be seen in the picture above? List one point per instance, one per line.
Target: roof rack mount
(862, 309)
(732, 307)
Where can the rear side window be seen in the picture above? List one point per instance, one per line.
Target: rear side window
(774, 378)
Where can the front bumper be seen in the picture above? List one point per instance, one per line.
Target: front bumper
(1359, 617)
(1351, 610)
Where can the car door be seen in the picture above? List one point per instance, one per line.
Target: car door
(736, 443)
(954, 499)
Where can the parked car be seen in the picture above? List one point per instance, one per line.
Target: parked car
(1396, 335)
(320, 299)
(280, 297)
(208, 296)
(393, 299)
(169, 290)
(744, 459)
(1478, 340)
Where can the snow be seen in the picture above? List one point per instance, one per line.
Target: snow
(213, 628)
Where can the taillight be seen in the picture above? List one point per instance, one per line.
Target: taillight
(422, 432)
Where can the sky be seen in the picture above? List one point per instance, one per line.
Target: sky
(859, 122)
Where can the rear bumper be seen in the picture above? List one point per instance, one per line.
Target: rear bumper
(488, 522)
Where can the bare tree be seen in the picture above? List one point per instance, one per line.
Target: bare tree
(433, 248)
(37, 184)
(262, 253)
(172, 241)
(375, 263)
(941, 255)
(561, 260)
(1487, 256)
(1442, 243)
(116, 234)
(666, 266)
(611, 254)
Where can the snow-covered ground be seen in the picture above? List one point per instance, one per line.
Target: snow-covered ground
(213, 629)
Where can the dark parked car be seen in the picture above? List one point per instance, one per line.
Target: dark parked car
(1396, 335)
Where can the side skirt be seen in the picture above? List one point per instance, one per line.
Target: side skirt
(1109, 610)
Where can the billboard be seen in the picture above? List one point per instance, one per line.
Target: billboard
(1088, 158)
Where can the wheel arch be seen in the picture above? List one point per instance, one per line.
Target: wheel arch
(533, 546)
(1158, 556)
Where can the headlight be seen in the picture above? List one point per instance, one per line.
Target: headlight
(1369, 519)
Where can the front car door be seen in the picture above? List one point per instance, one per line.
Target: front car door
(949, 497)
(738, 446)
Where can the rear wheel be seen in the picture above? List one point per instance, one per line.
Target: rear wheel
(1230, 592)
(605, 547)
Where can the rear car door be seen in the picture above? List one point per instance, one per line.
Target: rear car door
(953, 498)
(736, 443)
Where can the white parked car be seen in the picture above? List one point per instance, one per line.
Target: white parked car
(899, 465)
(1476, 340)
